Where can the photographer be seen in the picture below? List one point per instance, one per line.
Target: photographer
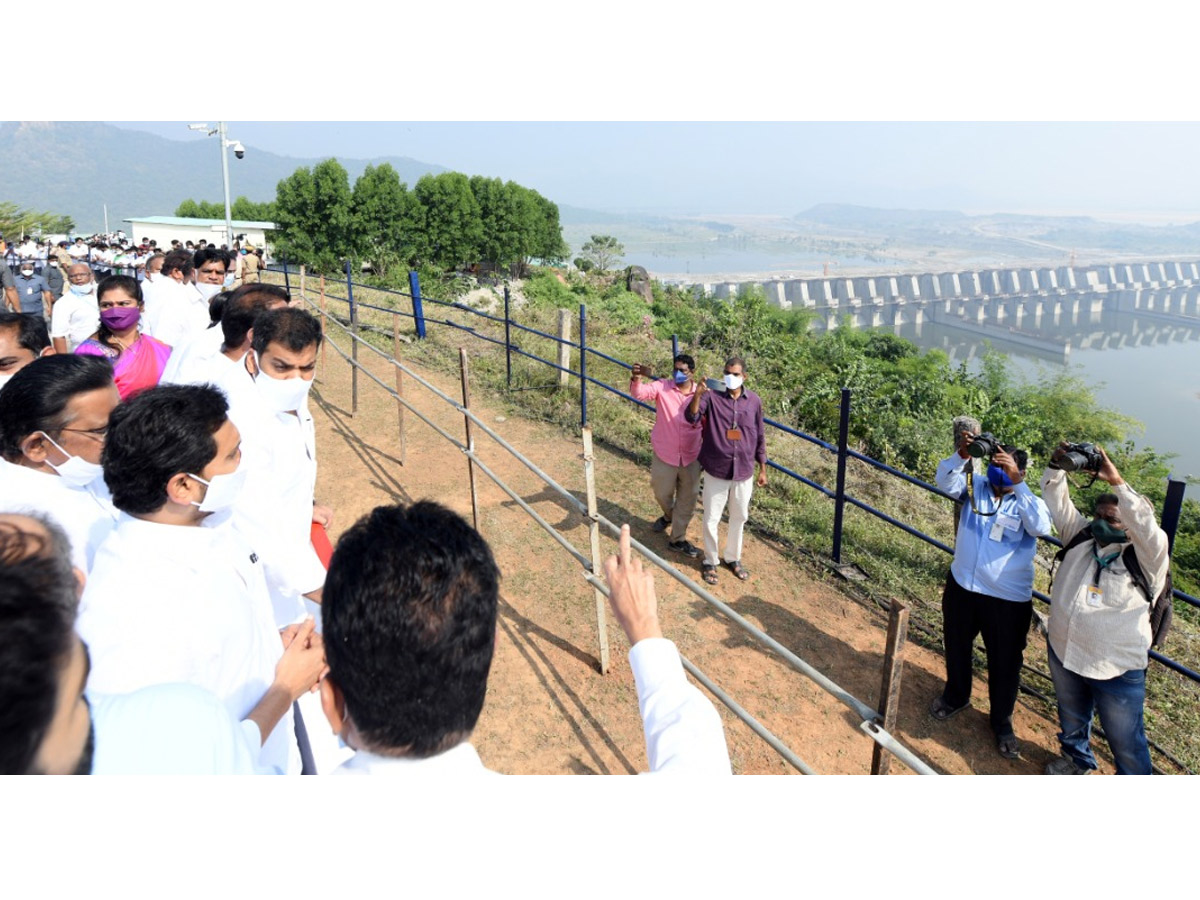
(990, 586)
(1099, 640)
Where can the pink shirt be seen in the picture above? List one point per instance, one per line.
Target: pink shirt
(675, 440)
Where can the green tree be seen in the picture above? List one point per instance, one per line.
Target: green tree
(604, 250)
(548, 245)
(314, 216)
(16, 221)
(503, 211)
(384, 220)
(453, 233)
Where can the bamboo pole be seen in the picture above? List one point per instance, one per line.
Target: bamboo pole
(589, 475)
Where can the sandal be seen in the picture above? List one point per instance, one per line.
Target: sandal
(708, 573)
(736, 568)
(941, 710)
(1008, 747)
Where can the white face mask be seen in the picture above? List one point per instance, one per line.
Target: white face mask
(83, 289)
(223, 491)
(281, 394)
(5, 379)
(76, 471)
(733, 382)
(208, 291)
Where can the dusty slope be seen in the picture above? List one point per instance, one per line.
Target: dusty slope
(549, 710)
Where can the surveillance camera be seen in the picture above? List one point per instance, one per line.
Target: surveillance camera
(238, 150)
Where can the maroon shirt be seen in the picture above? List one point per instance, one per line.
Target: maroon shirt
(719, 456)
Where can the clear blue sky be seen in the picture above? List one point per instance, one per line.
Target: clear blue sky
(781, 167)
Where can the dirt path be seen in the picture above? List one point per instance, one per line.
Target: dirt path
(548, 709)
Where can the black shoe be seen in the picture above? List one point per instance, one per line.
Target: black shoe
(688, 550)
(661, 524)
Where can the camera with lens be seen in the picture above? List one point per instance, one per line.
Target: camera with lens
(984, 445)
(1081, 457)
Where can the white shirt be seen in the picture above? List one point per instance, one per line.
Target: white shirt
(684, 735)
(86, 516)
(275, 508)
(171, 603)
(154, 289)
(170, 729)
(199, 361)
(183, 314)
(75, 318)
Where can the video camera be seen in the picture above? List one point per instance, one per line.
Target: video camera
(1079, 457)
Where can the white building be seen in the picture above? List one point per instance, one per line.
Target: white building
(164, 229)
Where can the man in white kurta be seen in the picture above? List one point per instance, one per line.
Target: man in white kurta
(173, 597)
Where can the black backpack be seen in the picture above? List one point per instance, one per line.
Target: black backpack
(1161, 608)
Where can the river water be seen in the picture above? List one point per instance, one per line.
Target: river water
(1143, 365)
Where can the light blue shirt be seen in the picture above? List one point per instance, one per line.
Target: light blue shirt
(993, 555)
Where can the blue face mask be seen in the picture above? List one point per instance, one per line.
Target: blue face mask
(997, 477)
(681, 377)
(228, 279)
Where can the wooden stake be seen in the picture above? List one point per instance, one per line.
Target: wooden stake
(589, 475)
(399, 387)
(889, 690)
(324, 317)
(466, 393)
(564, 350)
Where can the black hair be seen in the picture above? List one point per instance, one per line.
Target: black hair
(178, 259)
(736, 361)
(294, 329)
(409, 618)
(1111, 499)
(216, 307)
(245, 305)
(687, 361)
(154, 436)
(37, 618)
(1020, 457)
(128, 286)
(208, 254)
(32, 333)
(37, 396)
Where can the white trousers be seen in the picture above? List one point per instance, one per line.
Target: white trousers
(717, 493)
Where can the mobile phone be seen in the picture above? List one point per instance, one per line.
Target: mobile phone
(715, 384)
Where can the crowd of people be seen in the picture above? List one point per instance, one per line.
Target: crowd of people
(163, 600)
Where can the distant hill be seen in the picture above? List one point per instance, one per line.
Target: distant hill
(74, 168)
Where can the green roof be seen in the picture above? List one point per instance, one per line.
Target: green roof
(179, 220)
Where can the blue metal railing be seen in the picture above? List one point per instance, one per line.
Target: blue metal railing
(1170, 516)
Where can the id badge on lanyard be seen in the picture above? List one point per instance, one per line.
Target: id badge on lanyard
(734, 433)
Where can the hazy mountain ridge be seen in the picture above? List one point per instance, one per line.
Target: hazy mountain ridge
(75, 168)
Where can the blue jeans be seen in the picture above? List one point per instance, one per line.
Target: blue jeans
(1119, 701)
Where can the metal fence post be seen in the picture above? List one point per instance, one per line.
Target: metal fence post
(1172, 507)
(589, 477)
(674, 347)
(582, 364)
(353, 343)
(507, 341)
(466, 395)
(839, 500)
(414, 285)
(889, 690)
(287, 284)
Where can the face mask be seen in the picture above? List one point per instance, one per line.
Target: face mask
(120, 317)
(1106, 534)
(27, 272)
(83, 290)
(223, 491)
(5, 379)
(281, 394)
(228, 279)
(998, 478)
(76, 471)
(681, 377)
(54, 263)
(733, 382)
(208, 291)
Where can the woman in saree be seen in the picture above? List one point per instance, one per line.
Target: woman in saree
(138, 359)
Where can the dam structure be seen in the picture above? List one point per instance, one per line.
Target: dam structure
(1017, 305)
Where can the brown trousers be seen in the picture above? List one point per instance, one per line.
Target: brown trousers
(676, 488)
